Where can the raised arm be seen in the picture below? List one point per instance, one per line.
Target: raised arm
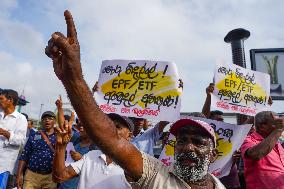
(60, 172)
(207, 103)
(266, 145)
(65, 54)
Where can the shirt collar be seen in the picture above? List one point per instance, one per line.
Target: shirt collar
(141, 133)
(14, 114)
(44, 131)
(256, 135)
(103, 157)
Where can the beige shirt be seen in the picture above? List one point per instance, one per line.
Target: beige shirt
(157, 175)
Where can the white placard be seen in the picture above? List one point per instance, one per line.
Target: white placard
(140, 88)
(240, 90)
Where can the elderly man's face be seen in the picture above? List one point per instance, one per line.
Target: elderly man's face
(269, 127)
(194, 152)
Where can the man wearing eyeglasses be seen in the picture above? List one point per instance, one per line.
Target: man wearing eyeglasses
(38, 155)
(13, 128)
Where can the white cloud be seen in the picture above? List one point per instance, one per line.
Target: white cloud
(22, 39)
(40, 85)
(190, 33)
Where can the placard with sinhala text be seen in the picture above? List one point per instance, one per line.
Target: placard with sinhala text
(140, 88)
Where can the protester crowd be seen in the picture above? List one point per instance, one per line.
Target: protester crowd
(98, 150)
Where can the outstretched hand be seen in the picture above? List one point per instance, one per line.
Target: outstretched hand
(210, 89)
(65, 52)
(278, 123)
(59, 102)
(64, 131)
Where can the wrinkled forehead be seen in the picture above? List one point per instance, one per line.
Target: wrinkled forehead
(193, 130)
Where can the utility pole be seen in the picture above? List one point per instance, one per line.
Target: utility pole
(41, 107)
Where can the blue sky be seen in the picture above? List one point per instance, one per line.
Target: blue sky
(189, 33)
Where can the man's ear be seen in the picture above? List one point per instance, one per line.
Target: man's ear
(130, 134)
(213, 155)
(11, 101)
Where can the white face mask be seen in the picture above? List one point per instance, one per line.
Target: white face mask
(191, 173)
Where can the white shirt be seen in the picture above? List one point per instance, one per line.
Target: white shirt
(95, 173)
(146, 141)
(16, 124)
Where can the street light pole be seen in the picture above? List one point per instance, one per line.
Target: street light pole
(41, 107)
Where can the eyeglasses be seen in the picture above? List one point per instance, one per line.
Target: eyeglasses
(47, 119)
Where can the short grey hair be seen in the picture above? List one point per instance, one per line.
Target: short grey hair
(263, 117)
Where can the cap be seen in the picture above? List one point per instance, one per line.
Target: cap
(48, 113)
(186, 121)
(122, 119)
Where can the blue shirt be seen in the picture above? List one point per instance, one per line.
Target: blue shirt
(75, 134)
(73, 183)
(37, 154)
(30, 131)
(145, 142)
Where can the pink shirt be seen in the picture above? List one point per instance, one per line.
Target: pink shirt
(268, 172)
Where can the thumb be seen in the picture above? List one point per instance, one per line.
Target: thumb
(61, 42)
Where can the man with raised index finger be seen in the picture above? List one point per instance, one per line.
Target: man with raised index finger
(195, 148)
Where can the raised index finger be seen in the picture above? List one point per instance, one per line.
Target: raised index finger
(71, 29)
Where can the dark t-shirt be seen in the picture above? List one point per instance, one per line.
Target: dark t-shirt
(231, 180)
